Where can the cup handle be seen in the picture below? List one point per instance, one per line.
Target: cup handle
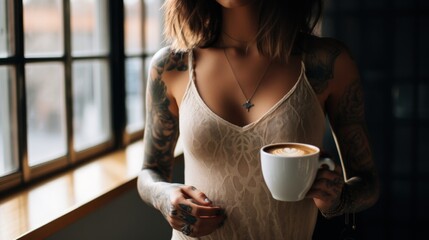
(327, 161)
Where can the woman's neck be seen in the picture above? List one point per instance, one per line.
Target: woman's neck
(240, 27)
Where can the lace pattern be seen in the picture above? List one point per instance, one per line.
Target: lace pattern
(222, 160)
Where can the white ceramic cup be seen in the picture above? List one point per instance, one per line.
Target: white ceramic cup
(290, 172)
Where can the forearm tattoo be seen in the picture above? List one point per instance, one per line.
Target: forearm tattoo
(352, 134)
(351, 107)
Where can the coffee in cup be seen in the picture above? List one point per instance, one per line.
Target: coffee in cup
(289, 169)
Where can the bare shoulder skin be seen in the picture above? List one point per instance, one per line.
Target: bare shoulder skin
(334, 77)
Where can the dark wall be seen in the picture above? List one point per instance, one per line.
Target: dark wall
(389, 40)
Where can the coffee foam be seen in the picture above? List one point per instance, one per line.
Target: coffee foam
(289, 152)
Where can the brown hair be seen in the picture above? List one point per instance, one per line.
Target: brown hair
(197, 23)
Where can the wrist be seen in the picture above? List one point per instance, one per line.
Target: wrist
(340, 208)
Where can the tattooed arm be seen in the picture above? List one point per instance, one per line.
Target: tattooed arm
(182, 206)
(161, 134)
(335, 79)
(345, 107)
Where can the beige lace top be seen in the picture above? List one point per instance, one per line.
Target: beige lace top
(222, 160)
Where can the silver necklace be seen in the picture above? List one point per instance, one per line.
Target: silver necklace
(247, 104)
(235, 39)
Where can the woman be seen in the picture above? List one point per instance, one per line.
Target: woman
(240, 74)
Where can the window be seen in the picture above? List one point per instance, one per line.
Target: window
(7, 120)
(46, 114)
(6, 30)
(89, 27)
(142, 40)
(43, 28)
(91, 103)
(63, 64)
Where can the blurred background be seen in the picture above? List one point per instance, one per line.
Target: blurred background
(389, 40)
(72, 78)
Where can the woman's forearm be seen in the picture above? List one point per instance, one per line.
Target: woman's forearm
(362, 194)
(154, 189)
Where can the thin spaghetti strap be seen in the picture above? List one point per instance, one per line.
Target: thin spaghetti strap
(191, 64)
(307, 82)
(190, 84)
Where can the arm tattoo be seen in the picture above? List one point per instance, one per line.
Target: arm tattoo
(161, 130)
(162, 126)
(177, 62)
(352, 133)
(351, 107)
(359, 163)
(161, 133)
(320, 64)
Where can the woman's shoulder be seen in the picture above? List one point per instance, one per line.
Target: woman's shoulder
(312, 46)
(168, 59)
(325, 59)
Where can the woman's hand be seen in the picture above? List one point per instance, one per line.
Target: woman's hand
(327, 188)
(191, 212)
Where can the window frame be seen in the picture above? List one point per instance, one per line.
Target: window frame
(115, 58)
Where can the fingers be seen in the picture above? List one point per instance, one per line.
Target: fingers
(201, 227)
(192, 213)
(327, 185)
(192, 201)
(197, 195)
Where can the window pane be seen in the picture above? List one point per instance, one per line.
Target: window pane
(135, 97)
(153, 26)
(8, 160)
(91, 103)
(43, 28)
(133, 26)
(403, 95)
(6, 23)
(89, 27)
(45, 112)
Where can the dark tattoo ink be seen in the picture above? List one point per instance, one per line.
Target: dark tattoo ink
(177, 62)
(188, 218)
(186, 229)
(161, 131)
(173, 211)
(185, 208)
(351, 107)
(349, 124)
(319, 59)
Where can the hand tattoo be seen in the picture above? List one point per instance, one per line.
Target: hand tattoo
(185, 208)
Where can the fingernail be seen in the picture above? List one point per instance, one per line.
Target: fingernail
(207, 200)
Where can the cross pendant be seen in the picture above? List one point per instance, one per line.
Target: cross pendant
(247, 105)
